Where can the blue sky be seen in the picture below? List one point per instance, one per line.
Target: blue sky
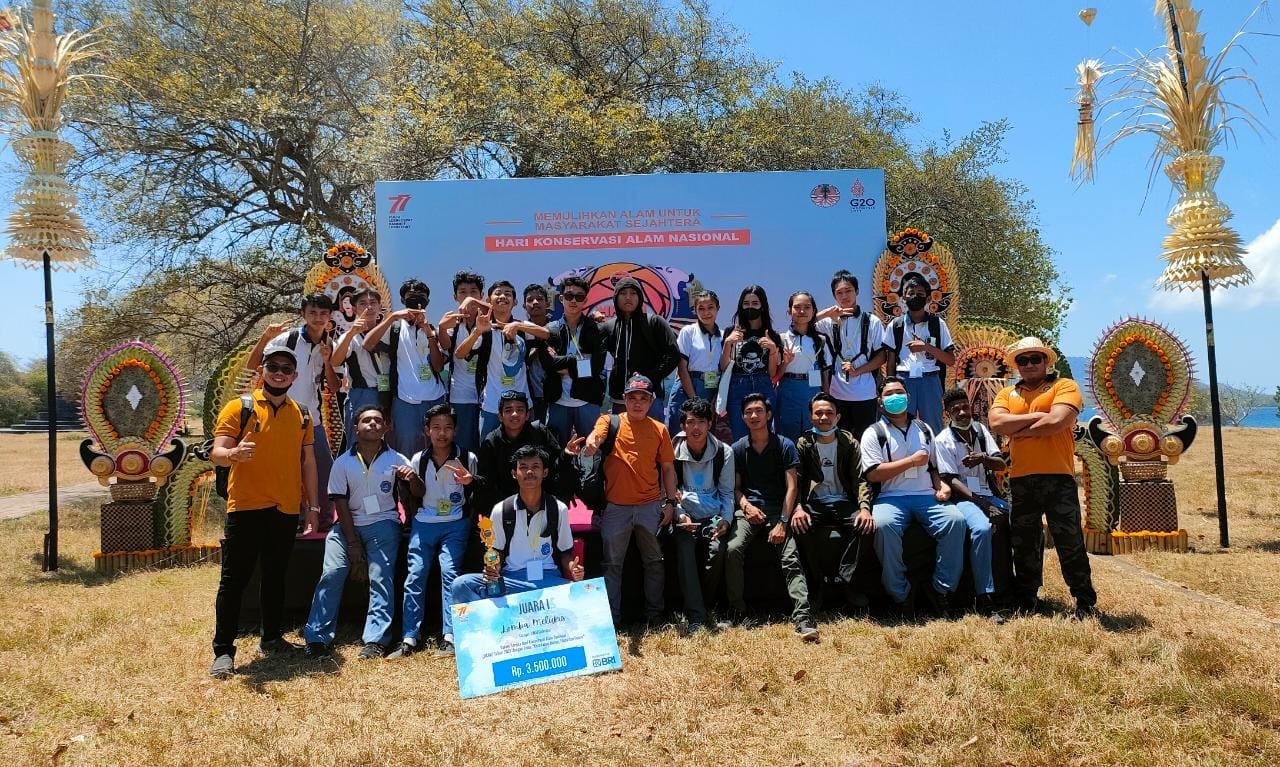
(960, 64)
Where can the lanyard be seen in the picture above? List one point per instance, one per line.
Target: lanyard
(847, 341)
(575, 340)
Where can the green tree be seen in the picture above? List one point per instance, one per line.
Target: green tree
(1276, 398)
(17, 403)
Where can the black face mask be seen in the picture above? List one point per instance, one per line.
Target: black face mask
(415, 302)
(273, 391)
(916, 303)
(749, 313)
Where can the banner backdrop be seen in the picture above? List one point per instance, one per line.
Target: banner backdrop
(675, 233)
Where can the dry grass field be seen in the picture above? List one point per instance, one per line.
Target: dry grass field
(97, 671)
(24, 462)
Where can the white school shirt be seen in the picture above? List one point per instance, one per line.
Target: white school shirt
(368, 365)
(507, 358)
(863, 387)
(899, 446)
(442, 501)
(413, 359)
(462, 373)
(806, 352)
(523, 548)
(368, 489)
(952, 450)
(701, 351)
(910, 332)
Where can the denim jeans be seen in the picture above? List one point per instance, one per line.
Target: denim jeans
(942, 521)
(467, 435)
(448, 541)
(925, 396)
(581, 419)
(409, 437)
(472, 586)
(252, 537)
(678, 398)
(381, 548)
(739, 388)
(792, 407)
(357, 398)
(979, 546)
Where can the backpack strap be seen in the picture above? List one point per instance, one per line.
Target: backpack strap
(935, 330)
(246, 411)
(508, 524)
(717, 466)
(611, 436)
(882, 436)
(291, 340)
(866, 326)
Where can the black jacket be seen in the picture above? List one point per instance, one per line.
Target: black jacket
(494, 459)
(848, 467)
(642, 343)
(591, 337)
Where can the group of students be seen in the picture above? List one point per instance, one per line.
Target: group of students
(485, 415)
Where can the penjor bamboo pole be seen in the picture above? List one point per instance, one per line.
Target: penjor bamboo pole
(51, 538)
(1219, 473)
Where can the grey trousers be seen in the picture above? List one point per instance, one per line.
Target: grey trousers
(617, 524)
(788, 554)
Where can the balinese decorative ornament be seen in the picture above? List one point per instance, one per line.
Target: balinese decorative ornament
(34, 83)
(1084, 158)
(346, 268)
(182, 502)
(981, 368)
(912, 251)
(1087, 15)
(1139, 368)
(1099, 507)
(133, 401)
(228, 381)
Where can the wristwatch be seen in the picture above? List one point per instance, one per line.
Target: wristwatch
(316, 509)
(669, 502)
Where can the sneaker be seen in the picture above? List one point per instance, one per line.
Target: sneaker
(693, 627)
(807, 631)
(940, 602)
(223, 667)
(905, 610)
(736, 618)
(372, 650)
(316, 650)
(1085, 612)
(1026, 606)
(279, 646)
(445, 650)
(403, 651)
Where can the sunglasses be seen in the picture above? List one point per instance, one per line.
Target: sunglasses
(274, 367)
(575, 297)
(1029, 359)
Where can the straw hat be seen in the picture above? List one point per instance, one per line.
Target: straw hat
(1030, 344)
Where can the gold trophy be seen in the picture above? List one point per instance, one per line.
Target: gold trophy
(491, 557)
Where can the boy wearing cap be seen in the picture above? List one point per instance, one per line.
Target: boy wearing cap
(265, 438)
(640, 488)
(1038, 413)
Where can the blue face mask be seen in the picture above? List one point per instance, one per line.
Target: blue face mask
(895, 404)
(826, 433)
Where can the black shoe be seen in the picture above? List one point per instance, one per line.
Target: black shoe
(278, 647)
(445, 650)
(316, 650)
(986, 607)
(403, 651)
(372, 650)
(1025, 606)
(1085, 612)
(694, 627)
(905, 610)
(939, 602)
(807, 631)
(223, 667)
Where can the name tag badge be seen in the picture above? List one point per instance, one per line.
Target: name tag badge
(911, 472)
(815, 377)
(424, 371)
(471, 366)
(711, 379)
(973, 483)
(507, 380)
(444, 507)
(384, 382)
(584, 367)
(533, 569)
(370, 504)
(915, 367)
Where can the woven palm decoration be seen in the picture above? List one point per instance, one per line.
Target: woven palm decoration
(345, 269)
(34, 81)
(912, 251)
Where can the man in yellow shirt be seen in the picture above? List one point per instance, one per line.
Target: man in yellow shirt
(1038, 414)
(266, 439)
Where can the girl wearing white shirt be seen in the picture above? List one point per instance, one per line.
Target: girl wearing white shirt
(806, 360)
(699, 344)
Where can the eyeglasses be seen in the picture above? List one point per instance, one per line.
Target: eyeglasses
(1028, 359)
(273, 367)
(575, 297)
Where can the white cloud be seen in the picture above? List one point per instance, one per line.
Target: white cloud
(1262, 255)
(1110, 278)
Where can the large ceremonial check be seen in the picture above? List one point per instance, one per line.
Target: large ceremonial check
(532, 637)
(675, 233)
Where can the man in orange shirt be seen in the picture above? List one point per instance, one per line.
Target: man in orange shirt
(1038, 414)
(640, 487)
(265, 438)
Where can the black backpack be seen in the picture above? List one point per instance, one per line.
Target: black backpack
(590, 477)
(898, 326)
(509, 522)
(866, 326)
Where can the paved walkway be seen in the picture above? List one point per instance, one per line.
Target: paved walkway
(15, 506)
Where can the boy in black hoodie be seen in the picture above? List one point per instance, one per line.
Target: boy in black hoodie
(640, 343)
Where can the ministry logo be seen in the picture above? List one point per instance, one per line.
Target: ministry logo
(396, 218)
(859, 200)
